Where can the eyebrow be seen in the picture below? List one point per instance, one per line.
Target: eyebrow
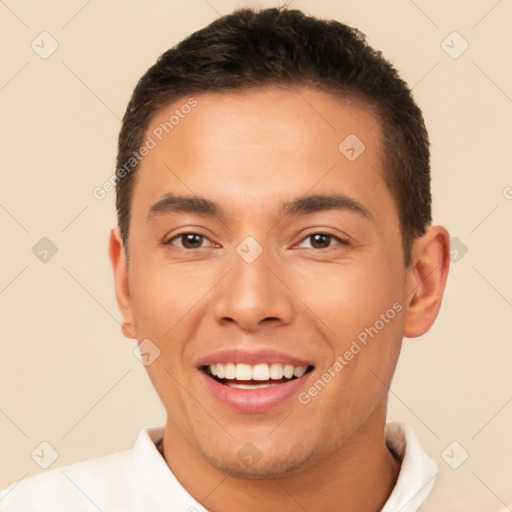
(170, 203)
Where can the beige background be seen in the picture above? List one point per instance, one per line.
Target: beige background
(70, 378)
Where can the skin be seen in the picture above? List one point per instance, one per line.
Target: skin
(250, 152)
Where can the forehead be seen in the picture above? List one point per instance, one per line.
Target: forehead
(247, 147)
(275, 117)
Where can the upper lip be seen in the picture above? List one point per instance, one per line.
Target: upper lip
(251, 357)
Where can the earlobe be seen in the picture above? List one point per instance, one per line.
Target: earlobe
(121, 282)
(426, 281)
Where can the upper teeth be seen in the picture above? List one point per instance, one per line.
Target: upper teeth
(263, 371)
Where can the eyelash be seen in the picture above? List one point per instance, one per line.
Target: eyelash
(336, 238)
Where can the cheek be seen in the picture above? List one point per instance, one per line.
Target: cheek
(163, 294)
(361, 305)
(155, 310)
(349, 297)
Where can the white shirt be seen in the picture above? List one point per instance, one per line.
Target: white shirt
(139, 480)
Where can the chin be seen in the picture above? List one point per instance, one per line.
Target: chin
(249, 463)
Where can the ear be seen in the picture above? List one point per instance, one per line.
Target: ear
(426, 280)
(122, 288)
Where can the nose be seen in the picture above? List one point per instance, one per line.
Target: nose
(254, 295)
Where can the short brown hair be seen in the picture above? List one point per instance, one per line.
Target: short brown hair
(284, 47)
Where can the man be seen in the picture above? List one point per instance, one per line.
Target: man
(274, 247)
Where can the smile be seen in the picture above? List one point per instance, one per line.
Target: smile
(253, 388)
(245, 376)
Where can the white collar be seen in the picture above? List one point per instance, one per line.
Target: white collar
(417, 473)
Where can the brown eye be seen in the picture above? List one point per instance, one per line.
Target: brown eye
(322, 241)
(187, 240)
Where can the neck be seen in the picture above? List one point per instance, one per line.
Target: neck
(360, 475)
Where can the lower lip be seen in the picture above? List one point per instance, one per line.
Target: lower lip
(254, 400)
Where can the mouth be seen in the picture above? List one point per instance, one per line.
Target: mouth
(252, 377)
(256, 380)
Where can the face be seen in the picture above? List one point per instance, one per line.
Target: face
(266, 265)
